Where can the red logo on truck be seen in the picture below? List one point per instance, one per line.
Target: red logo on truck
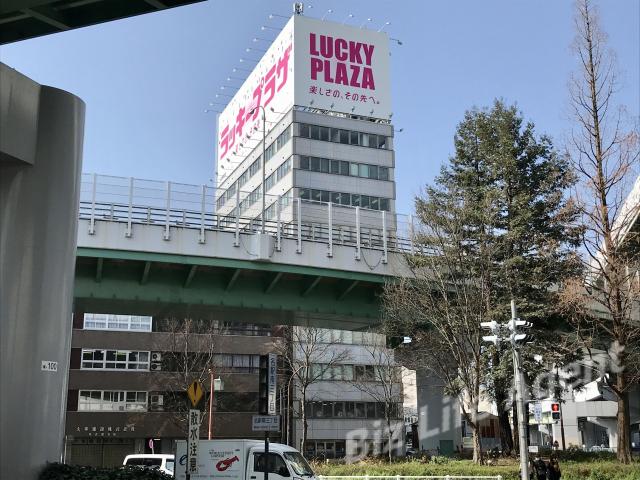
(222, 465)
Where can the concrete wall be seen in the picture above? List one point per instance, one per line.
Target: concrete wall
(40, 166)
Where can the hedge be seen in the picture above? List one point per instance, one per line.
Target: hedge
(59, 471)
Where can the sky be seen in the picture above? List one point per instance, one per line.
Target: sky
(147, 80)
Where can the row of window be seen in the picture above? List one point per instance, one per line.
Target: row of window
(103, 321)
(348, 337)
(347, 137)
(255, 167)
(278, 175)
(341, 167)
(112, 401)
(349, 199)
(114, 360)
(362, 373)
(352, 410)
(250, 199)
(285, 200)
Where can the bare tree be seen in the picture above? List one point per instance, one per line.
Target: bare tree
(192, 354)
(442, 305)
(384, 385)
(309, 355)
(605, 155)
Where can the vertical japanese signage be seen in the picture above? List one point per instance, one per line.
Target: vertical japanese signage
(272, 386)
(312, 63)
(193, 441)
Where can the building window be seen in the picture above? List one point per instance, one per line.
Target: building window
(112, 401)
(102, 321)
(369, 410)
(114, 360)
(347, 199)
(346, 137)
(340, 167)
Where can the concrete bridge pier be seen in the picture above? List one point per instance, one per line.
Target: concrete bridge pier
(41, 136)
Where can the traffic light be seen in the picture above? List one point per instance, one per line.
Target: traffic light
(263, 385)
(555, 411)
(494, 327)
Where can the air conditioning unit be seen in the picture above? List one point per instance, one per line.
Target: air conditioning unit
(156, 367)
(156, 356)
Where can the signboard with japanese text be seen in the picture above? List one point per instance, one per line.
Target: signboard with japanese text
(273, 384)
(341, 68)
(311, 63)
(192, 441)
(265, 423)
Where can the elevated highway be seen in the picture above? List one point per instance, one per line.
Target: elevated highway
(158, 248)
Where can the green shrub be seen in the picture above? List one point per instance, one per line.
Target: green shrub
(60, 471)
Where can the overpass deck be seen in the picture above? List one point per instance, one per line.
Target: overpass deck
(159, 248)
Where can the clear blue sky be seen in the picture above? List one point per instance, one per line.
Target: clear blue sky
(146, 80)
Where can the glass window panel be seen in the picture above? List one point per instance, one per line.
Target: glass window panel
(344, 167)
(382, 141)
(325, 196)
(335, 197)
(355, 200)
(371, 410)
(143, 356)
(305, 193)
(354, 138)
(375, 203)
(353, 169)
(345, 199)
(316, 195)
(324, 165)
(363, 170)
(327, 409)
(304, 130)
(335, 166)
(364, 139)
(338, 409)
(383, 173)
(384, 204)
(359, 409)
(364, 201)
(335, 135)
(324, 133)
(315, 164)
(344, 137)
(315, 132)
(373, 172)
(350, 409)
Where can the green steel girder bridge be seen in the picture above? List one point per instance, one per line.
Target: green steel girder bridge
(158, 248)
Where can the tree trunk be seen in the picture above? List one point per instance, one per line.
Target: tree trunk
(506, 440)
(389, 437)
(303, 415)
(515, 435)
(477, 443)
(623, 421)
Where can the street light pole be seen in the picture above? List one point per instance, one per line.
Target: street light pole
(517, 376)
(264, 164)
(211, 393)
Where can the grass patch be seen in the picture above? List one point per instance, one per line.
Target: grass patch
(591, 469)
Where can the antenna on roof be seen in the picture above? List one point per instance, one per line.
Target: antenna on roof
(298, 8)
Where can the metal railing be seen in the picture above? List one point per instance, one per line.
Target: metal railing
(411, 477)
(172, 205)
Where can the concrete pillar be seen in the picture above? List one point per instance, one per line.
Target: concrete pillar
(41, 135)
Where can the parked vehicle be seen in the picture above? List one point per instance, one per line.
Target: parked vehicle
(243, 460)
(158, 461)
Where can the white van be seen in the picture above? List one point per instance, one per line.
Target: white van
(243, 460)
(153, 461)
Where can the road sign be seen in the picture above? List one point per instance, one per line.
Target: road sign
(193, 440)
(272, 384)
(537, 412)
(195, 393)
(265, 423)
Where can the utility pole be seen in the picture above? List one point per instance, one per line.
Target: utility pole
(519, 380)
(514, 337)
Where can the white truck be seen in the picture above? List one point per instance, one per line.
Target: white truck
(243, 460)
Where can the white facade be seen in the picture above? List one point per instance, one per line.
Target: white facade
(344, 419)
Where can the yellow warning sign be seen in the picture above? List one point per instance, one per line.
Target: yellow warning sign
(195, 392)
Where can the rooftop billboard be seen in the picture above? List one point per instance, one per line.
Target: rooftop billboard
(311, 63)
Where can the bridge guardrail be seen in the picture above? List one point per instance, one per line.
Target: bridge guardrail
(137, 201)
